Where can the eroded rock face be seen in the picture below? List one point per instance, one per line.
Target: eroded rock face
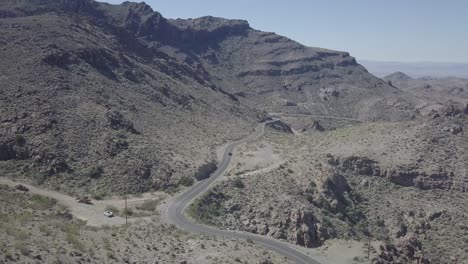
(302, 228)
(296, 225)
(451, 111)
(407, 248)
(439, 179)
(356, 164)
(408, 176)
(281, 126)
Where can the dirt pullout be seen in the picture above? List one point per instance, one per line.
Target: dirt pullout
(338, 251)
(91, 213)
(255, 158)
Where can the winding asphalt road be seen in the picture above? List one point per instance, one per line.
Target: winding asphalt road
(175, 210)
(319, 116)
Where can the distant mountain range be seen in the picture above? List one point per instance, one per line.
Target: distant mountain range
(417, 69)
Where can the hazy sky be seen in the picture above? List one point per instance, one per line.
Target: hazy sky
(393, 30)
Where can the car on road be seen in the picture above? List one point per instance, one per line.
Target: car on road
(230, 153)
(108, 213)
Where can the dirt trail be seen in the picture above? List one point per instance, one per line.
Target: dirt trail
(92, 214)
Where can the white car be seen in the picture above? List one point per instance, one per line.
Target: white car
(108, 213)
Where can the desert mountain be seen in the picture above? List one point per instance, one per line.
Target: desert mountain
(398, 76)
(432, 93)
(100, 97)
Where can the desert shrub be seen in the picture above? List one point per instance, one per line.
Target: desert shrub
(75, 242)
(99, 195)
(309, 197)
(206, 170)
(238, 183)
(95, 171)
(148, 205)
(186, 181)
(22, 247)
(45, 230)
(127, 211)
(20, 140)
(208, 206)
(380, 222)
(19, 235)
(38, 202)
(106, 244)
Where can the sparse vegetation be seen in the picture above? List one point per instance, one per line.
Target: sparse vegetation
(38, 202)
(74, 240)
(237, 182)
(20, 140)
(95, 171)
(148, 205)
(206, 170)
(186, 181)
(208, 206)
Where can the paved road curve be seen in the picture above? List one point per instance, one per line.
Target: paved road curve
(319, 116)
(175, 210)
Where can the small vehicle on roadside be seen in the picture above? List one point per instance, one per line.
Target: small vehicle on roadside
(230, 153)
(108, 213)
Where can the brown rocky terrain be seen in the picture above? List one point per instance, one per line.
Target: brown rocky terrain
(87, 106)
(403, 183)
(107, 98)
(101, 99)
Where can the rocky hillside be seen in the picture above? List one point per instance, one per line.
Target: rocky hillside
(98, 97)
(432, 93)
(278, 74)
(86, 104)
(404, 184)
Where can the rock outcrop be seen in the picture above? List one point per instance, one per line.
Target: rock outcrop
(356, 164)
(407, 249)
(280, 126)
(401, 175)
(315, 126)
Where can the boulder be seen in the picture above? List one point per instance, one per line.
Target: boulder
(456, 129)
(280, 126)
(315, 126)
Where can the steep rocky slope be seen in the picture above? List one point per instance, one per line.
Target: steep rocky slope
(85, 103)
(279, 74)
(117, 97)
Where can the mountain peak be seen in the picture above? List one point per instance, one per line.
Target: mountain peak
(398, 76)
